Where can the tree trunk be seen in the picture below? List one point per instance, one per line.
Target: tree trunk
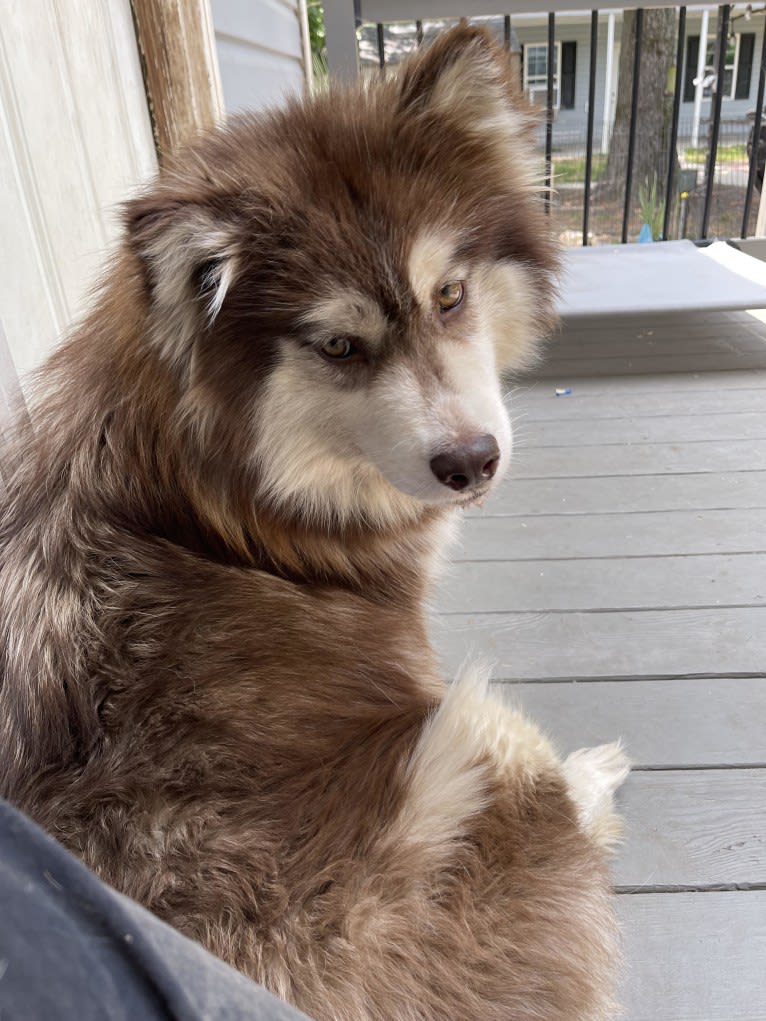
(655, 108)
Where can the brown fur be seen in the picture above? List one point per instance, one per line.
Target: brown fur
(214, 700)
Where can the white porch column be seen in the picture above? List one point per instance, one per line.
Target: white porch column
(340, 31)
(760, 223)
(606, 127)
(698, 89)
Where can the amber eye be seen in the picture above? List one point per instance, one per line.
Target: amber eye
(451, 295)
(339, 348)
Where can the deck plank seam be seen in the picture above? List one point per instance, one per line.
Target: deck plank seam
(611, 556)
(599, 610)
(630, 678)
(632, 475)
(632, 891)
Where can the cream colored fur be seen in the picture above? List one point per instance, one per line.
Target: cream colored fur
(346, 312)
(187, 241)
(475, 735)
(593, 775)
(430, 264)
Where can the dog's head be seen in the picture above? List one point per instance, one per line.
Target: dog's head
(339, 284)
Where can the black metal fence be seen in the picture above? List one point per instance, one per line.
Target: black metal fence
(684, 200)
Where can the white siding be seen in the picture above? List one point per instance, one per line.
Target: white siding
(260, 51)
(76, 138)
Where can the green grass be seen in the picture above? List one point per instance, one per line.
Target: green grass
(725, 154)
(571, 169)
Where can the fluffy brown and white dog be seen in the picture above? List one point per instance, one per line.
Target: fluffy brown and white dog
(217, 685)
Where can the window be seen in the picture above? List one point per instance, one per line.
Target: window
(737, 68)
(729, 68)
(536, 73)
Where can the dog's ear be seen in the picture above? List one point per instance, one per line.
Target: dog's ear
(463, 74)
(190, 257)
(464, 78)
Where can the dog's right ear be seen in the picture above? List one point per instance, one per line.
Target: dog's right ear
(190, 257)
(463, 80)
(463, 75)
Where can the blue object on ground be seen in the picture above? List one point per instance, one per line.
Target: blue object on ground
(645, 234)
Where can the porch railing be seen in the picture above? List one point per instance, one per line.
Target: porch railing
(343, 17)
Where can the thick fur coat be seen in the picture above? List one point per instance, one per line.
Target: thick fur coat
(217, 686)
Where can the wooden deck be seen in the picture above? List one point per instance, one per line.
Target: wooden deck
(618, 582)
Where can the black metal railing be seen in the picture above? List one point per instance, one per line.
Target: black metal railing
(674, 122)
(700, 210)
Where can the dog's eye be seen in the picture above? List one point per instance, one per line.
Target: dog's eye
(451, 295)
(339, 348)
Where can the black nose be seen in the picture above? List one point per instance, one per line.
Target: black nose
(467, 465)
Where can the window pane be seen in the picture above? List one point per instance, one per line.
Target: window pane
(537, 61)
(729, 67)
(536, 73)
(731, 54)
(536, 58)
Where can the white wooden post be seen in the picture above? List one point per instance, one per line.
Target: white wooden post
(700, 86)
(340, 31)
(308, 63)
(606, 129)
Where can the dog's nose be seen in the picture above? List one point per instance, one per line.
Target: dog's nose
(468, 465)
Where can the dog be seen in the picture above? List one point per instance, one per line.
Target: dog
(218, 541)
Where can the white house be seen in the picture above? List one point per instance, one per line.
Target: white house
(572, 59)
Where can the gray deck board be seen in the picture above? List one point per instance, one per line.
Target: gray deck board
(614, 582)
(617, 581)
(617, 365)
(607, 407)
(706, 339)
(679, 321)
(692, 381)
(693, 828)
(611, 643)
(694, 956)
(674, 723)
(667, 533)
(598, 407)
(657, 429)
(619, 494)
(619, 459)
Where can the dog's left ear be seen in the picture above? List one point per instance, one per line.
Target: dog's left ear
(464, 78)
(189, 252)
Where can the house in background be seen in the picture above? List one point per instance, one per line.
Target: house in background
(572, 60)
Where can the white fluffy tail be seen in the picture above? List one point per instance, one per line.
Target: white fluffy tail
(593, 775)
